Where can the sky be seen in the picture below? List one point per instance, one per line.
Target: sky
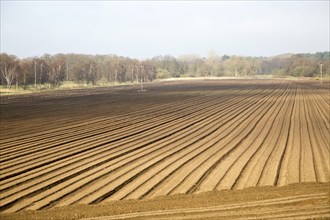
(144, 29)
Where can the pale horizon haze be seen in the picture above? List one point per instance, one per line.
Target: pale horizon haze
(144, 29)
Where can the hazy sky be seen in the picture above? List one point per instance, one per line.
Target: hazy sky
(143, 29)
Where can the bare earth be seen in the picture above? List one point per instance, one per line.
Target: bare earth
(184, 149)
(297, 201)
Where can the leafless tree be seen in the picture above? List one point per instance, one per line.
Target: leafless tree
(56, 71)
(9, 65)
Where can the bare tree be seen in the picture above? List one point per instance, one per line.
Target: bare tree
(85, 70)
(9, 66)
(213, 61)
(56, 71)
(35, 73)
(133, 69)
(235, 65)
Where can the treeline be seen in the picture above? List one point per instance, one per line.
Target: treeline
(101, 69)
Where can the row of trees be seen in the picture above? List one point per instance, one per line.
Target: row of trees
(88, 69)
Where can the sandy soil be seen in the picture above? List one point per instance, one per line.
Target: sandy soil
(297, 201)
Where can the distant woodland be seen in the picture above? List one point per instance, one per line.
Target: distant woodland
(54, 70)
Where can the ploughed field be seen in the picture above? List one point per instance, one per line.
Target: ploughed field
(90, 146)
